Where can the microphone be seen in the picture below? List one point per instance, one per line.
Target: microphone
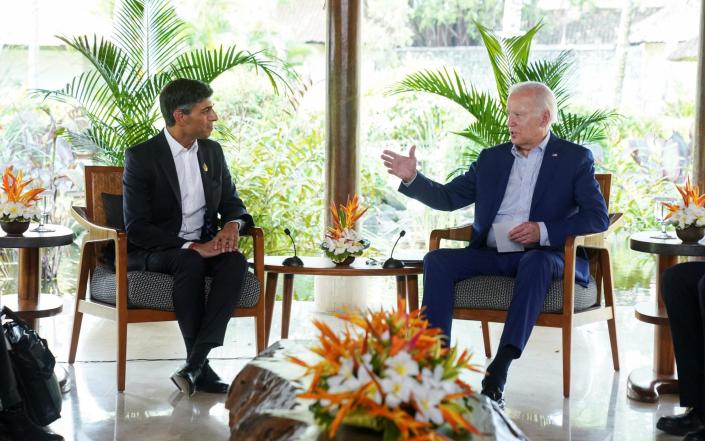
(292, 261)
(393, 263)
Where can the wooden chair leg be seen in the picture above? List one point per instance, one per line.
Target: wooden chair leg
(286, 304)
(121, 352)
(567, 343)
(609, 303)
(260, 327)
(486, 339)
(86, 256)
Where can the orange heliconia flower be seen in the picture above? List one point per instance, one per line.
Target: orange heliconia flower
(382, 335)
(13, 186)
(690, 195)
(344, 217)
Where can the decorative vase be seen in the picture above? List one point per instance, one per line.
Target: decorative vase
(691, 234)
(14, 228)
(347, 261)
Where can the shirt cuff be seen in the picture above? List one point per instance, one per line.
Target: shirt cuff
(543, 234)
(240, 224)
(407, 184)
(186, 245)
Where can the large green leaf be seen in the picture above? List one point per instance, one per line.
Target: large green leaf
(119, 94)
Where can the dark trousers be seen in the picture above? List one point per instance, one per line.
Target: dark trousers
(202, 322)
(534, 271)
(9, 395)
(683, 290)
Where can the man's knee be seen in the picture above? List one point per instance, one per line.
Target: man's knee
(232, 263)
(535, 260)
(190, 261)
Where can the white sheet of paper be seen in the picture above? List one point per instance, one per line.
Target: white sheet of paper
(501, 234)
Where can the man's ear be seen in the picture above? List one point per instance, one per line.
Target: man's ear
(178, 116)
(545, 118)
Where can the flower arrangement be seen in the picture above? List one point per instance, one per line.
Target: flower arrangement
(342, 241)
(690, 212)
(391, 375)
(16, 204)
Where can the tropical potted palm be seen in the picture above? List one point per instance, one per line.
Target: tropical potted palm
(148, 49)
(509, 58)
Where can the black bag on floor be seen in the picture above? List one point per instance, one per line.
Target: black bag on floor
(33, 364)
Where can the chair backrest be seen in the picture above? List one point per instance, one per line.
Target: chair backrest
(605, 182)
(100, 179)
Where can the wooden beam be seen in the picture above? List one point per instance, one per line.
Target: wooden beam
(343, 99)
(699, 130)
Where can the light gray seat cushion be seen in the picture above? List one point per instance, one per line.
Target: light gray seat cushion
(151, 290)
(495, 292)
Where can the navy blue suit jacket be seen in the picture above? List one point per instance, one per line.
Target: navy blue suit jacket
(566, 198)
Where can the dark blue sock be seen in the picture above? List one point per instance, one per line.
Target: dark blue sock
(496, 374)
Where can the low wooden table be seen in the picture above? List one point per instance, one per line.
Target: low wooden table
(407, 282)
(256, 391)
(645, 384)
(28, 303)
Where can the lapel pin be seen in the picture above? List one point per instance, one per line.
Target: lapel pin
(204, 166)
(555, 155)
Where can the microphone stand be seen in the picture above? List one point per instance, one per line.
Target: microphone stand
(294, 260)
(393, 263)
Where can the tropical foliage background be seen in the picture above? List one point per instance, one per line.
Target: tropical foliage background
(276, 149)
(119, 95)
(509, 58)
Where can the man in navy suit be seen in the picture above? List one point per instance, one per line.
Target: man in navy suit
(176, 185)
(542, 184)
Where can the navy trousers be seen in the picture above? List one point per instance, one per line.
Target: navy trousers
(534, 271)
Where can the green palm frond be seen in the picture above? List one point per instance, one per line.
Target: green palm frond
(150, 33)
(505, 55)
(207, 65)
(119, 94)
(553, 73)
(584, 129)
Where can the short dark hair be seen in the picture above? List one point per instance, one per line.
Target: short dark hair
(183, 94)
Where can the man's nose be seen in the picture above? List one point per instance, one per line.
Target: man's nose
(214, 117)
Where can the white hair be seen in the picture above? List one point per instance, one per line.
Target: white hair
(544, 96)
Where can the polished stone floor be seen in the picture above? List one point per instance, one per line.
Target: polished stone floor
(151, 408)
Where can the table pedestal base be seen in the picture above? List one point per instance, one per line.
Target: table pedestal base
(646, 385)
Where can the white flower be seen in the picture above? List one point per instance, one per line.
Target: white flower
(345, 380)
(401, 365)
(397, 389)
(434, 380)
(427, 401)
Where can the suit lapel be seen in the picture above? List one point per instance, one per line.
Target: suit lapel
(168, 166)
(549, 165)
(504, 169)
(205, 165)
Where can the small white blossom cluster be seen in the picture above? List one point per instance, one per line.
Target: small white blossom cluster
(349, 242)
(688, 216)
(400, 384)
(16, 211)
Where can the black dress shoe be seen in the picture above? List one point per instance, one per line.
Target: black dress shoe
(691, 421)
(210, 382)
(186, 377)
(493, 392)
(698, 435)
(16, 425)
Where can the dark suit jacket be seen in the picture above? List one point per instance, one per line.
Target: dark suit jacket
(566, 198)
(152, 198)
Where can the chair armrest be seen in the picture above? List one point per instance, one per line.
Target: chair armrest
(460, 233)
(257, 235)
(95, 231)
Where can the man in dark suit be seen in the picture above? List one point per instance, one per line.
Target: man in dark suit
(175, 186)
(683, 290)
(541, 185)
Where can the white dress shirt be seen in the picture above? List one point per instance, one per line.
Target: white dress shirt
(193, 200)
(516, 204)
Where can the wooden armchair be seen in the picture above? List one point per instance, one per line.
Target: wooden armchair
(486, 298)
(138, 296)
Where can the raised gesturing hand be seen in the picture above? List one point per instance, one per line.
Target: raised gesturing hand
(401, 166)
